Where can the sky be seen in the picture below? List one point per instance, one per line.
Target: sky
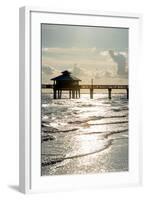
(98, 53)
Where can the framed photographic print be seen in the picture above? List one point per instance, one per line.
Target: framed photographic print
(79, 100)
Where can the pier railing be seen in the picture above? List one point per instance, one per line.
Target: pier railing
(49, 86)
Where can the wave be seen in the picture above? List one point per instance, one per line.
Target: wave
(115, 132)
(47, 137)
(120, 138)
(63, 158)
(49, 129)
(51, 162)
(57, 160)
(87, 105)
(119, 109)
(120, 122)
(69, 130)
(106, 134)
(95, 118)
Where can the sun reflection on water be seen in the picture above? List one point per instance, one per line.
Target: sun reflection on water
(86, 135)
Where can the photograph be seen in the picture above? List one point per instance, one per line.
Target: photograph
(84, 99)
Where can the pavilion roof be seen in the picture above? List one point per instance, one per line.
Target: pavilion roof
(66, 76)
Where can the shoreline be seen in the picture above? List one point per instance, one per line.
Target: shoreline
(114, 158)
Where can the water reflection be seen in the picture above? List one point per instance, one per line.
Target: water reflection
(84, 136)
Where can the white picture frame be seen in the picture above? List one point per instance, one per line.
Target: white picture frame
(29, 160)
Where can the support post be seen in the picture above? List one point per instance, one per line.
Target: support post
(60, 94)
(70, 94)
(127, 93)
(54, 93)
(109, 93)
(91, 89)
(91, 93)
(73, 94)
(79, 93)
(76, 94)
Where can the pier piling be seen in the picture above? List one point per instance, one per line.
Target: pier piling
(91, 93)
(127, 93)
(54, 94)
(109, 93)
(70, 94)
(79, 92)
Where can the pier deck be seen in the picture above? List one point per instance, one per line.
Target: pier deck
(92, 88)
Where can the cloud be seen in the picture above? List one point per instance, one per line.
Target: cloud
(104, 53)
(78, 71)
(90, 57)
(47, 70)
(71, 50)
(97, 75)
(120, 60)
(85, 63)
(108, 74)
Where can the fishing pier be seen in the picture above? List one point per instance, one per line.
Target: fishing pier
(67, 82)
(74, 95)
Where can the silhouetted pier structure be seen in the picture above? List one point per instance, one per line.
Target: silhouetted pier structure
(68, 82)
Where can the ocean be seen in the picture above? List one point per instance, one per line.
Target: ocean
(84, 136)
